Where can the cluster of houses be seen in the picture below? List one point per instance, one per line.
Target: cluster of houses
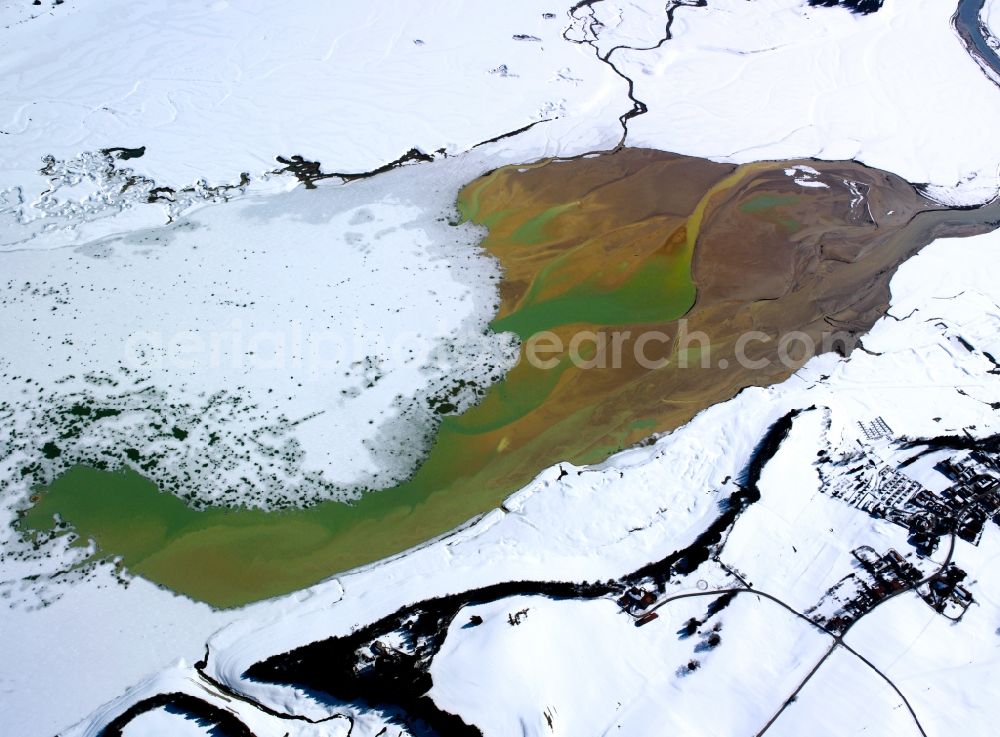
(878, 577)
(946, 595)
(635, 601)
(964, 507)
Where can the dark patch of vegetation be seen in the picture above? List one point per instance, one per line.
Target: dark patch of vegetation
(862, 7)
(223, 722)
(124, 154)
(310, 172)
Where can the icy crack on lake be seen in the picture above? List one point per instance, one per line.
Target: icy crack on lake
(94, 195)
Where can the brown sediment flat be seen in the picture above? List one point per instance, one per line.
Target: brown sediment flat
(767, 254)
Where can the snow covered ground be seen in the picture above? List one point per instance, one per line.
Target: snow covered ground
(594, 523)
(945, 668)
(201, 99)
(991, 19)
(845, 698)
(216, 90)
(91, 643)
(810, 535)
(545, 676)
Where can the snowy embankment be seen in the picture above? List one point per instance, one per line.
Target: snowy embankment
(595, 523)
(991, 21)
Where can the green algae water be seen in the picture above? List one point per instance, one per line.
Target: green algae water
(642, 299)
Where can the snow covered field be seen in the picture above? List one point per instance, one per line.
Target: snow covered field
(991, 18)
(544, 677)
(216, 90)
(89, 644)
(194, 96)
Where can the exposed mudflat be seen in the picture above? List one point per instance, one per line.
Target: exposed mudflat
(637, 239)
